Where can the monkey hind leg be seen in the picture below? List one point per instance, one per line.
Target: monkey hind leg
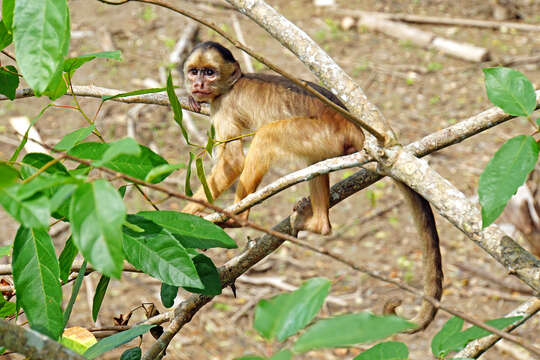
(316, 219)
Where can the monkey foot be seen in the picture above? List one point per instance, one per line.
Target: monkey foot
(310, 223)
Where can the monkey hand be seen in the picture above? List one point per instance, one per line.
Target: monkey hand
(194, 104)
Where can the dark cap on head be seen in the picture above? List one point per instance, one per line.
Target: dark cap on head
(224, 52)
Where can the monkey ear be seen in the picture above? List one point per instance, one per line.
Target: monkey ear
(237, 72)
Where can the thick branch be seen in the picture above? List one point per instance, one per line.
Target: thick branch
(32, 344)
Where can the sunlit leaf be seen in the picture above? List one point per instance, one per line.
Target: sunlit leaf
(510, 90)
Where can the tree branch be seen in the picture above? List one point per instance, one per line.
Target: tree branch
(32, 344)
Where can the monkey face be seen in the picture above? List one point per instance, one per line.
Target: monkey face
(201, 83)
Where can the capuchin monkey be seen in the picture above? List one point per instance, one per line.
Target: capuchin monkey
(289, 123)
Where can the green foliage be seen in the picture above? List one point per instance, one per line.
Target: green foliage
(133, 93)
(510, 90)
(207, 272)
(504, 174)
(285, 314)
(390, 350)
(35, 275)
(99, 295)
(176, 107)
(451, 338)
(132, 354)
(7, 308)
(168, 294)
(115, 341)
(508, 169)
(74, 292)
(9, 80)
(202, 178)
(8, 175)
(97, 213)
(41, 36)
(74, 138)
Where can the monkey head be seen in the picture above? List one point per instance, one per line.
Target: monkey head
(210, 71)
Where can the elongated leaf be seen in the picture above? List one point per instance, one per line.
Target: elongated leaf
(6, 37)
(159, 254)
(136, 166)
(132, 354)
(97, 213)
(9, 81)
(8, 175)
(115, 341)
(510, 90)
(192, 231)
(101, 290)
(66, 258)
(39, 32)
(282, 355)
(390, 350)
(125, 146)
(73, 138)
(202, 178)
(350, 329)
(188, 175)
(7, 12)
(504, 173)
(208, 274)
(74, 292)
(161, 170)
(33, 212)
(133, 93)
(35, 274)
(42, 183)
(176, 108)
(168, 294)
(284, 315)
(450, 329)
(61, 200)
(72, 64)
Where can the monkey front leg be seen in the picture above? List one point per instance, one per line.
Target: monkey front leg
(222, 175)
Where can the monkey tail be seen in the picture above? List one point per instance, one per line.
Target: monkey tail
(432, 264)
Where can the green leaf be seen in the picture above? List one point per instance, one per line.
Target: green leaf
(61, 200)
(133, 93)
(7, 308)
(8, 175)
(284, 315)
(168, 294)
(459, 340)
(74, 292)
(159, 254)
(125, 146)
(504, 174)
(161, 170)
(132, 354)
(97, 213)
(33, 212)
(449, 330)
(9, 81)
(5, 250)
(5, 36)
(43, 182)
(115, 340)
(73, 64)
(510, 90)
(66, 258)
(188, 175)
(176, 107)
(99, 295)
(37, 161)
(136, 166)
(35, 274)
(350, 329)
(202, 178)
(39, 32)
(7, 12)
(25, 136)
(74, 138)
(207, 273)
(282, 355)
(390, 350)
(192, 231)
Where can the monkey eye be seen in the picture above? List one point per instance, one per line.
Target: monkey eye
(193, 71)
(210, 72)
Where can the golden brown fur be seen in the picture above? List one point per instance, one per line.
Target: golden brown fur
(290, 124)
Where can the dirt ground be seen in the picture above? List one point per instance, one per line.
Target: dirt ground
(418, 90)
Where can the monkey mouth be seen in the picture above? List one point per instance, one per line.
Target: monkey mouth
(201, 93)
